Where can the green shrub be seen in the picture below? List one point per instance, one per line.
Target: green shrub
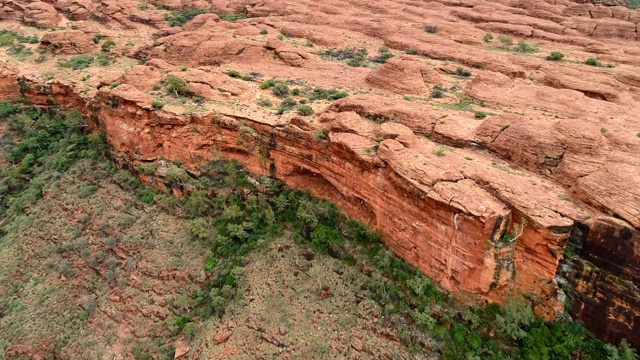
(265, 102)
(516, 316)
(231, 17)
(7, 39)
(440, 151)
(324, 236)
(264, 32)
(320, 135)
(234, 74)
(411, 51)
(176, 86)
(77, 62)
(431, 29)
(594, 62)
(281, 90)
(108, 44)
(463, 72)
(181, 17)
(19, 51)
(488, 37)
(481, 114)
(437, 92)
(526, 48)
(305, 110)
(351, 56)
(96, 38)
(506, 41)
(383, 55)
(158, 105)
(555, 56)
(268, 84)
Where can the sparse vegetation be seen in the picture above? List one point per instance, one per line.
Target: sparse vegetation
(555, 56)
(231, 17)
(431, 29)
(351, 56)
(265, 102)
(526, 48)
(506, 41)
(411, 51)
(264, 32)
(305, 110)
(460, 71)
(597, 63)
(280, 90)
(96, 38)
(176, 86)
(438, 92)
(181, 17)
(488, 37)
(384, 54)
(107, 45)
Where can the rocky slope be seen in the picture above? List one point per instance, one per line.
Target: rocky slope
(481, 187)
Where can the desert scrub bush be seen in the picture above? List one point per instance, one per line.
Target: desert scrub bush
(440, 151)
(181, 17)
(460, 71)
(280, 90)
(438, 92)
(96, 38)
(384, 54)
(516, 316)
(597, 63)
(269, 83)
(86, 189)
(555, 56)
(305, 110)
(234, 74)
(320, 135)
(488, 37)
(526, 48)
(231, 17)
(265, 102)
(77, 62)
(411, 51)
(324, 94)
(108, 45)
(350, 55)
(506, 41)
(431, 29)
(157, 105)
(481, 114)
(7, 37)
(286, 105)
(176, 86)
(19, 51)
(264, 32)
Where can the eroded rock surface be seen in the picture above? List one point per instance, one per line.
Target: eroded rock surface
(478, 162)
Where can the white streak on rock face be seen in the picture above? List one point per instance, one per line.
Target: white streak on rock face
(455, 221)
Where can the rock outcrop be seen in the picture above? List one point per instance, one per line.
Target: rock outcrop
(481, 186)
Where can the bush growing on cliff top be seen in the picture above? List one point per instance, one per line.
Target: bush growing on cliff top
(505, 40)
(305, 110)
(431, 29)
(526, 48)
(555, 56)
(176, 86)
(181, 17)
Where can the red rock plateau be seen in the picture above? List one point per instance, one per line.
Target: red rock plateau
(483, 188)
